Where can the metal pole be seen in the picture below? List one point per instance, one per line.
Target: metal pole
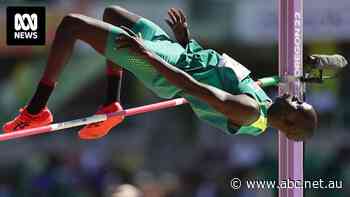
(290, 153)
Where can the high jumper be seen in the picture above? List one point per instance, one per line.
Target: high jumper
(220, 90)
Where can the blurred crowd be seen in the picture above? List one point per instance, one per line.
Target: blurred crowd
(91, 173)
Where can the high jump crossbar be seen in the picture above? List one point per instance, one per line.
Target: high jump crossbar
(93, 119)
(290, 42)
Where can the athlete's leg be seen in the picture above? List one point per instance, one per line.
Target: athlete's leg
(119, 16)
(72, 28)
(116, 16)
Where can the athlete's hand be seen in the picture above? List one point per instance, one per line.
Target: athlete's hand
(178, 23)
(132, 41)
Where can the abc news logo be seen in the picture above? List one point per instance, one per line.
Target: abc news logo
(25, 25)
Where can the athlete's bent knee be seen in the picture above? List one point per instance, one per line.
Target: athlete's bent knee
(72, 24)
(112, 12)
(116, 9)
(117, 15)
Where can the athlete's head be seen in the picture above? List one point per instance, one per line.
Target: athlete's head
(295, 118)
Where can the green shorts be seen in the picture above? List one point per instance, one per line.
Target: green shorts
(155, 40)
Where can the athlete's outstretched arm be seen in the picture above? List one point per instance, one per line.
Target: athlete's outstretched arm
(241, 109)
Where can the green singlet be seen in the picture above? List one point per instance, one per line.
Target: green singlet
(205, 65)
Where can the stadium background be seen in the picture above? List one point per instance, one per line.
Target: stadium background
(170, 153)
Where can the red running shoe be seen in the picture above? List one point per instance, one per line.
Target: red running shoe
(26, 120)
(100, 129)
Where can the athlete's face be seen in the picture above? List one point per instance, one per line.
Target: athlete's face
(295, 118)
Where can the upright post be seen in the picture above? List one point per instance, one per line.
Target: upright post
(290, 153)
